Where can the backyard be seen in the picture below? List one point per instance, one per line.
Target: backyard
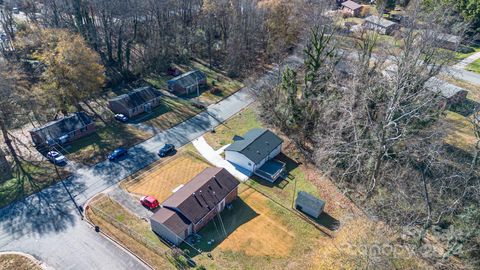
(261, 234)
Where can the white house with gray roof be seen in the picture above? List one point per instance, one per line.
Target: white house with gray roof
(255, 151)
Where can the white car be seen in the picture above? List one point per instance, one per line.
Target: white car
(56, 158)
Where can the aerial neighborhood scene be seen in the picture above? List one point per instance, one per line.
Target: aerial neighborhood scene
(239, 134)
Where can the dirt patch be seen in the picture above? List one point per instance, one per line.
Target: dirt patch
(161, 180)
(17, 262)
(263, 235)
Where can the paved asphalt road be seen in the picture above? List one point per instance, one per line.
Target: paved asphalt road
(47, 225)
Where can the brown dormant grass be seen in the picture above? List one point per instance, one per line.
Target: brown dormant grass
(161, 180)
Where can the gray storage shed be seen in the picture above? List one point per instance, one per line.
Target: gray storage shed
(309, 204)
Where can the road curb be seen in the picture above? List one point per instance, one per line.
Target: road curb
(108, 237)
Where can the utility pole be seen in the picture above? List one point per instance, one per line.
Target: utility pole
(66, 188)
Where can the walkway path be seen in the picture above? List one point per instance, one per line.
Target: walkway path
(47, 224)
(216, 159)
(467, 61)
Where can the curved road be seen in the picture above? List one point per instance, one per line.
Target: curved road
(47, 225)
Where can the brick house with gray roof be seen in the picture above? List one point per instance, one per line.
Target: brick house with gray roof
(193, 205)
(138, 101)
(64, 130)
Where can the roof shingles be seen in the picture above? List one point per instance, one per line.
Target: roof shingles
(256, 144)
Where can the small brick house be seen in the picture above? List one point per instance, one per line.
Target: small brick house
(381, 25)
(138, 101)
(351, 8)
(187, 82)
(192, 206)
(64, 130)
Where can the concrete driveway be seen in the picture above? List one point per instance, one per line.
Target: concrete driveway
(216, 159)
(47, 224)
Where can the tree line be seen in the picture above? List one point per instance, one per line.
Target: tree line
(371, 120)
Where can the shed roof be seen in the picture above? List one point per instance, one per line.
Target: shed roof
(447, 90)
(307, 199)
(137, 97)
(188, 79)
(379, 21)
(449, 38)
(63, 126)
(201, 194)
(256, 144)
(351, 5)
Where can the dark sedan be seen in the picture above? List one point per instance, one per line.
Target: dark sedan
(166, 149)
(117, 153)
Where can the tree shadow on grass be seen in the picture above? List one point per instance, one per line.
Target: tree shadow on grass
(230, 219)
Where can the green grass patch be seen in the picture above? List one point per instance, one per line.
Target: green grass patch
(474, 67)
(238, 125)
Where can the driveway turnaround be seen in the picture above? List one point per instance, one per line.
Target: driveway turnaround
(48, 225)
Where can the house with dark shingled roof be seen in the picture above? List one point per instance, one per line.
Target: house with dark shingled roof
(64, 130)
(255, 152)
(193, 205)
(138, 101)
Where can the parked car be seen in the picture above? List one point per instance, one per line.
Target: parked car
(117, 153)
(149, 202)
(15, 10)
(198, 105)
(166, 149)
(56, 158)
(121, 117)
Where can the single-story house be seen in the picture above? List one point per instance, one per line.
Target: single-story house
(381, 25)
(450, 94)
(140, 100)
(63, 130)
(187, 82)
(255, 152)
(448, 41)
(193, 205)
(309, 204)
(352, 8)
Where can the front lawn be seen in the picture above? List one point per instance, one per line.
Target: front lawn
(171, 111)
(460, 56)
(237, 125)
(474, 67)
(95, 147)
(160, 181)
